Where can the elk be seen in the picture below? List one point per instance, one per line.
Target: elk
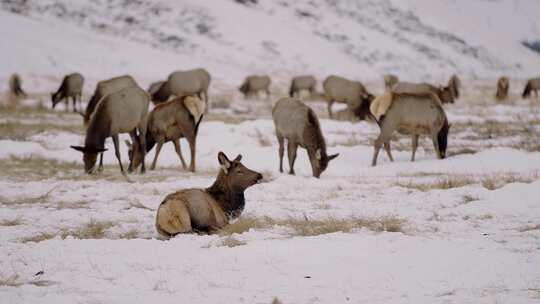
(184, 83)
(124, 111)
(339, 89)
(445, 94)
(454, 84)
(503, 85)
(298, 123)
(414, 114)
(105, 87)
(533, 84)
(302, 83)
(15, 86)
(390, 81)
(207, 210)
(171, 121)
(254, 84)
(71, 86)
(153, 88)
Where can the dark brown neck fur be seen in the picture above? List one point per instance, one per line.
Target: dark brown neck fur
(231, 201)
(99, 128)
(313, 137)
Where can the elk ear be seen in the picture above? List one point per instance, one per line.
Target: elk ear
(318, 155)
(128, 143)
(99, 150)
(78, 148)
(224, 161)
(330, 157)
(238, 158)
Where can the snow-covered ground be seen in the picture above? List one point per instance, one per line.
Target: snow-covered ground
(465, 229)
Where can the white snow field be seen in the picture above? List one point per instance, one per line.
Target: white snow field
(465, 229)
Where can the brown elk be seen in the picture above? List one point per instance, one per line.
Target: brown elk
(533, 84)
(445, 94)
(171, 121)
(254, 84)
(124, 111)
(339, 89)
(302, 83)
(15, 86)
(454, 84)
(71, 86)
(390, 81)
(183, 83)
(413, 114)
(104, 88)
(503, 85)
(208, 210)
(297, 123)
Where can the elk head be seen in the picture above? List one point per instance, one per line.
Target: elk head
(89, 156)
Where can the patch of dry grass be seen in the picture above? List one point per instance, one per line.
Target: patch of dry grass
(530, 228)
(276, 301)
(35, 168)
(469, 198)
(16, 281)
(130, 234)
(92, 230)
(11, 222)
(497, 181)
(40, 199)
(38, 238)
(443, 182)
(230, 242)
(18, 131)
(312, 227)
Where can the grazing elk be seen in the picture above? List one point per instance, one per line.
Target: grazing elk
(254, 84)
(71, 86)
(15, 86)
(184, 83)
(297, 123)
(454, 84)
(390, 81)
(207, 210)
(414, 114)
(339, 89)
(503, 84)
(104, 88)
(171, 121)
(444, 93)
(302, 83)
(533, 84)
(124, 111)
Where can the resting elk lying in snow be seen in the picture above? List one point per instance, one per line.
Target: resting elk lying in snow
(105, 87)
(183, 83)
(71, 86)
(210, 209)
(503, 84)
(339, 89)
(302, 83)
(297, 123)
(124, 111)
(532, 85)
(171, 121)
(412, 114)
(254, 84)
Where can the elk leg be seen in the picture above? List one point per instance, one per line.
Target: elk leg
(135, 141)
(388, 150)
(291, 151)
(176, 143)
(158, 148)
(330, 102)
(414, 145)
(193, 149)
(74, 100)
(100, 168)
(436, 146)
(117, 152)
(281, 142)
(377, 146)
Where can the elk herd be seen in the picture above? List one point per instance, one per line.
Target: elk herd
(119, 105)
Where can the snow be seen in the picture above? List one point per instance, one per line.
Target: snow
(476, 242)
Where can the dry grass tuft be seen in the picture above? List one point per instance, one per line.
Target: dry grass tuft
(92, 230)
(313, 227)
(469, 198)
(11, 222)
(530, 228)
(38, 238)
(130, 234)
(444, 183)
(497, 181)
(15, 281)
(27, 200)
(35, 168)
(230, 242)
(276, 301)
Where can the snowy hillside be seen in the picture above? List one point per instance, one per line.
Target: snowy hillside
(362, 39)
